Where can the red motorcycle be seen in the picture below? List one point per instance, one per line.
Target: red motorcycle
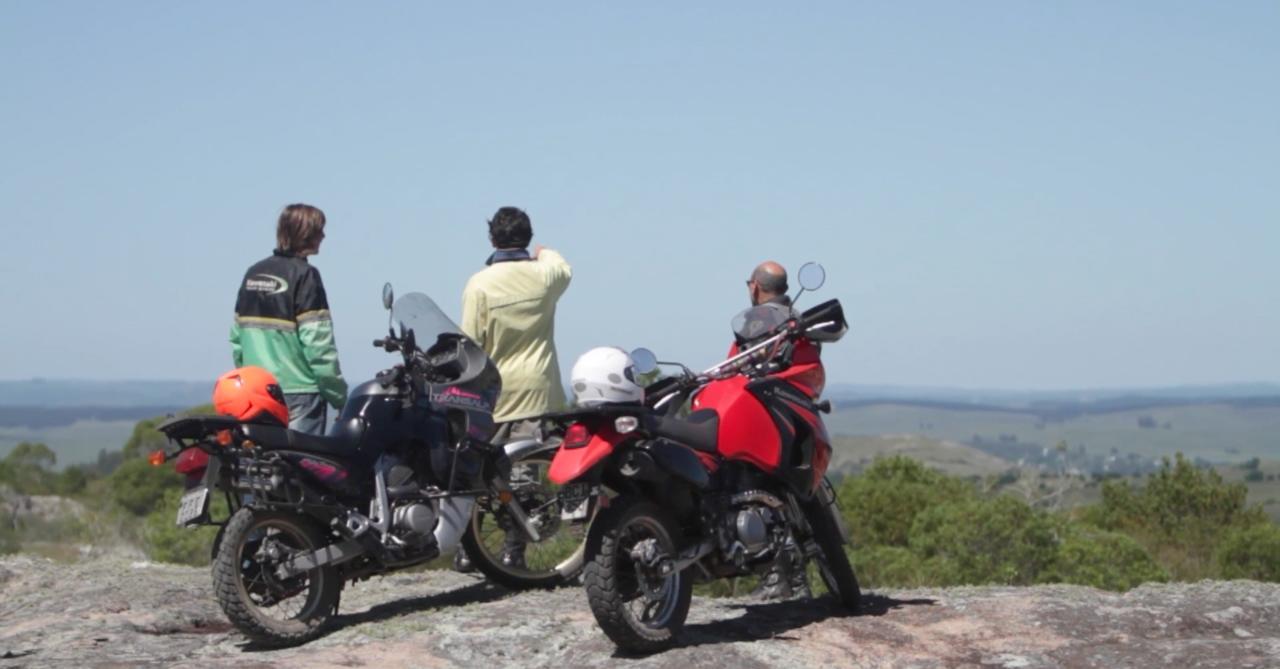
(711, 475)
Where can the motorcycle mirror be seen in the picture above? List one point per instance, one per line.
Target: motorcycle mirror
(388, 295)
(644, 360)
(812, 276)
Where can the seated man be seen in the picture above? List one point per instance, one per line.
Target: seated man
(768, 286)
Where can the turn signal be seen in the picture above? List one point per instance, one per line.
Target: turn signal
(223, 437)
(576, 436)
(626, 424)
(156, 458)
(505, 496)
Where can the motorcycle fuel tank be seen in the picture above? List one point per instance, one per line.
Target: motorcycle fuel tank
(747, 432)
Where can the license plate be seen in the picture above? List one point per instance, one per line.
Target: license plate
(193, 505)
(575, 501)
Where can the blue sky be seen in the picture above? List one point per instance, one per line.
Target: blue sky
(1019, 195)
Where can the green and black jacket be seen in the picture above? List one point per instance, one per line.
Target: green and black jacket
(282, 325)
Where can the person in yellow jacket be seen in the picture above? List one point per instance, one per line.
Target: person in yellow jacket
(509, 308)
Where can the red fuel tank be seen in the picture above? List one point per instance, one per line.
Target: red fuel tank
(746, 430)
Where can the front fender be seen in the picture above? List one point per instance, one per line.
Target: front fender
(571, 463)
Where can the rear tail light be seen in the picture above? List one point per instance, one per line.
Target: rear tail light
(191, 461)
(576, 436)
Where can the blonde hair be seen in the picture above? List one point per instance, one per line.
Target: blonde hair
(299, 228)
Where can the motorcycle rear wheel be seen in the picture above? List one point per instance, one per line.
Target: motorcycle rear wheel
(267, 610)
(640, 614)
(549, 563)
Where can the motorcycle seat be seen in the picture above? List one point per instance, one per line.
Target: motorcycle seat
(699, 430)
(342, 441)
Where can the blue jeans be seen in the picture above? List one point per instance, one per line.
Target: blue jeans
(307, 412)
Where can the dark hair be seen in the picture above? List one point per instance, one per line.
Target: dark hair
(510, 228)
(299, 228)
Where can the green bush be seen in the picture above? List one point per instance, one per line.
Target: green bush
(164, 541)
(28, 469)
(139, 487)
(71, 481)
(8, 539)
(1251, 552)
(896, 567)
(1001, 540)
(880, 506)
(1102, 559)
(1179, 516)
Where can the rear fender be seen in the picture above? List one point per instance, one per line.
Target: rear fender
(571, 463)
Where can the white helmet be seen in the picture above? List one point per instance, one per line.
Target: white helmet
(605, 374)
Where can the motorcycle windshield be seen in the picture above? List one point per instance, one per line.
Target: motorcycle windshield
(419, 313)
(760, 321)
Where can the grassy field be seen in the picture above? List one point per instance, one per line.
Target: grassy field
(1214, 432)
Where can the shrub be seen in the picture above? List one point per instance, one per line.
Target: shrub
(881, 505)
(71, 481)
(1251, 552)
(1181, 514)
(896, 567)
(139, 487)
(1107, 560)
(1002, 540)
(28, 468)
(166, 542)
(8, 539)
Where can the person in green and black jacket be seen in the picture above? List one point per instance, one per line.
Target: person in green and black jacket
(283, 325)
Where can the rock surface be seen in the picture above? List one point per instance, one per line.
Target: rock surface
(116, 613)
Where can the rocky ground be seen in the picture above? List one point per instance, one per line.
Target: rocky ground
(112, 612)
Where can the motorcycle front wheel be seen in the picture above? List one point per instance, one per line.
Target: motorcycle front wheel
(500, 549)
(265, 608)
(830, 557)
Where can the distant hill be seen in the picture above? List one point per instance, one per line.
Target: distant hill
(1031, 399)
(1102, 438)
(852, 454)
(50, 393)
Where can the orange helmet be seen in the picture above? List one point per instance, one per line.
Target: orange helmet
(250, 394)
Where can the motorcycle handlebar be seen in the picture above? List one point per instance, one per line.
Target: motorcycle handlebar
(389, 345)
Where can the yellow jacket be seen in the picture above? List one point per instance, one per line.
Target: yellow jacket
(509, 308)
